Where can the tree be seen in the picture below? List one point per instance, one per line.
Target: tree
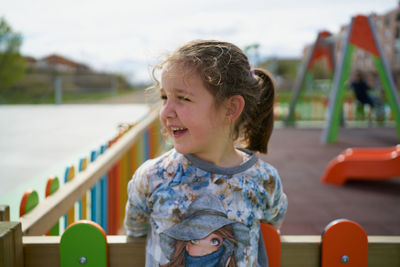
(12, 65)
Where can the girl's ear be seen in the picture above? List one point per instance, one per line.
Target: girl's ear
(235, 105)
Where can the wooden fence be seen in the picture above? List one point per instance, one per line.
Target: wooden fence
(344, 243)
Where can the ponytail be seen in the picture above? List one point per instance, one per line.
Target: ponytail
(260, 122)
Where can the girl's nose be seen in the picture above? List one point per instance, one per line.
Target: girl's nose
(168, 110)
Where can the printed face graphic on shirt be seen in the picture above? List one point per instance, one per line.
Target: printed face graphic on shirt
(205, 236)
(205, 246)
(213, 250)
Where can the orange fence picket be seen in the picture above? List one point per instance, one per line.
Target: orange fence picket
(272, 242)
(344, 243)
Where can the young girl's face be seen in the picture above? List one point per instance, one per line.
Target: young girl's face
(189, 113)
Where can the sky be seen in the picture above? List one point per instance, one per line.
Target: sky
(130, 37)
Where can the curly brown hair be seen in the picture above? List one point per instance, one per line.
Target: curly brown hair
(225, 71)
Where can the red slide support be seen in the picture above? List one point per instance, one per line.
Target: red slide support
(363, 164)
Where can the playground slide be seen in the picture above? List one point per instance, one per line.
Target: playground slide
(363, 164)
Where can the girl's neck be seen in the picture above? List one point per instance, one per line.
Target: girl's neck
(227, 158)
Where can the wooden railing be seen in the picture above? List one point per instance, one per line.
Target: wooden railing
(345, 245)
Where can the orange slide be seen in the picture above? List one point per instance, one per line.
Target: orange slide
(363, 164)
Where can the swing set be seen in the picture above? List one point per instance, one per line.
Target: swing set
(361, 33)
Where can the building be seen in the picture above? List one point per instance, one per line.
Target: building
(58, 63)
(30, 61)
(388, 30)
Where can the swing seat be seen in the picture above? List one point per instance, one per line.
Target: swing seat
(363, 164)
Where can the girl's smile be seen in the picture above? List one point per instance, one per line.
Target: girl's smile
(178, 131)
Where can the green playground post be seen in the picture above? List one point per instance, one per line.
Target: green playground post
(308, 81)
(335, 106)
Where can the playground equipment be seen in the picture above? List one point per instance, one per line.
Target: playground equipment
(322, 48)
(363, 164)
(361, 33)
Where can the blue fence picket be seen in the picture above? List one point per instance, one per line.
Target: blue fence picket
(104, 194)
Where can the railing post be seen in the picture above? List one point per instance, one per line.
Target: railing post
(4, 213)
(272, 243)
(11, 252)
(52, 185)
(344, 243)
(70, 216)
(83, 213)
(84, 243)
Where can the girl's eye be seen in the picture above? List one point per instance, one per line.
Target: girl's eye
(215, 242)
(182, 98)
(163, 97)
(194, 242)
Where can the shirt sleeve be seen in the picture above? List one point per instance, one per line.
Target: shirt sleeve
(137, 211)
(277, 206)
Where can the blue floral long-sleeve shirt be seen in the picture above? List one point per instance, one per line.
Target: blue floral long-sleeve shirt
(162, 190)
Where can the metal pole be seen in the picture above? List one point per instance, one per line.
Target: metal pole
(58, 90)
(297, 86)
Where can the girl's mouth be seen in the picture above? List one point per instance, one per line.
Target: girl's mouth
(178, 131)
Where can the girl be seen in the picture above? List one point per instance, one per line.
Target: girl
(218, 113)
